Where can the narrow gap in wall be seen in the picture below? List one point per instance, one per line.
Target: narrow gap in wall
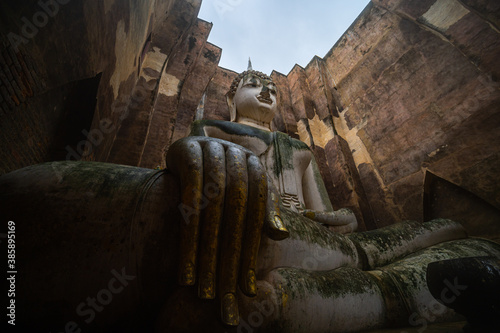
(70, 139)
(443, 199)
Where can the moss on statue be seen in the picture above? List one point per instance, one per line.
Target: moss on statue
(305, 229)
(332, 284)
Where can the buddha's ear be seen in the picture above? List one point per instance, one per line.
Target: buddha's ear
(232, 107)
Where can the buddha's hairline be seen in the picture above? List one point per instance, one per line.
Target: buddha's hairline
(236, 81)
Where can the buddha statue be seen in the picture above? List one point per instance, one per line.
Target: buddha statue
(325, 279)
(289, 163)
(257, 160)
(241, 213)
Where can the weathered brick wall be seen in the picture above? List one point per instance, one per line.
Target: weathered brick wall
(418, 87)
(57, 47)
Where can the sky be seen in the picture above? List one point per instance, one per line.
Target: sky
(277, 34)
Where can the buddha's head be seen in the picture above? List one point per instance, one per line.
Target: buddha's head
(252, 99)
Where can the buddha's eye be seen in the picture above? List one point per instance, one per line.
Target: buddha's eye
(253, 82)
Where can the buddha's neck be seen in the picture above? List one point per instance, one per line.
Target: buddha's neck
(254, 123)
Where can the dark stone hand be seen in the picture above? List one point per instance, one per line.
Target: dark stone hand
(224, 195)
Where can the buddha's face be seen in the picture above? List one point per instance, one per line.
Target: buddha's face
(255, 99)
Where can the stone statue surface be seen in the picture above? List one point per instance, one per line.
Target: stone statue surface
(307, 272)
(242, 161)
(241, 212)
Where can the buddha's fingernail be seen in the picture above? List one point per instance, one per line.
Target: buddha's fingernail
(230, 315)
(278, 222)
(186, 276)
(206, 288)
(251, 283)
(276, 228)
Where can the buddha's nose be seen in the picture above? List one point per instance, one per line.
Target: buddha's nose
(265, 91)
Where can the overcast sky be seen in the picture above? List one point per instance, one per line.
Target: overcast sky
(277, 34)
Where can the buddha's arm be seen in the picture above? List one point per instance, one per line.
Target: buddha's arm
(314, 190)
(318, 205)
(197, 128)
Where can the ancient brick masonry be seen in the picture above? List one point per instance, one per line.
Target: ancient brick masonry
(420, 94)
(18, 78)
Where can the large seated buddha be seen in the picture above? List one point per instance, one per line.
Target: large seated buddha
(237, 234)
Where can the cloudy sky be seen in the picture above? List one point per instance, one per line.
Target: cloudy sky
(277, 34)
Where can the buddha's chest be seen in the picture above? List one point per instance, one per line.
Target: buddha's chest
(285, 165)
(284, 158)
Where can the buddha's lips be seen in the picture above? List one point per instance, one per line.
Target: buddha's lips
(265, 100)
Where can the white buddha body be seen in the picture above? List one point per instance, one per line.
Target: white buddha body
(289, 163)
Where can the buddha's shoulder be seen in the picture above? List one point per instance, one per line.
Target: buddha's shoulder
(295, 143)
(299, 144)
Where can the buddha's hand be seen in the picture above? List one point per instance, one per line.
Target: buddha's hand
(342, 221)
(225, 194)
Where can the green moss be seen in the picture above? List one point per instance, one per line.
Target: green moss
(296, 144)
(383, 240)
(410, 272)
(336, 283)
(312, 232)
(285, 148)
(283, 154)
(104, 182)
